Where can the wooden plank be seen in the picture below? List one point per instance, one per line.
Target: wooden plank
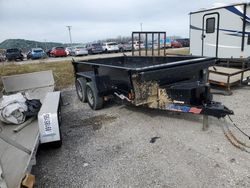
(224, 69)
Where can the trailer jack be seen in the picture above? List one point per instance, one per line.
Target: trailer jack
(215, 109)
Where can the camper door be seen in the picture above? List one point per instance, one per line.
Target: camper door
(210, 32)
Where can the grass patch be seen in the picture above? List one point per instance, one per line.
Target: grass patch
(62, 71)
(179, 51)
(170, 51)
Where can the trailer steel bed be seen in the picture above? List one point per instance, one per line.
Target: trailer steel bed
(176, 83)
(145, 63)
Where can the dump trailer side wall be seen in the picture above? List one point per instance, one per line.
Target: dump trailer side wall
(130, 75)
(178, 73)
(162, 83)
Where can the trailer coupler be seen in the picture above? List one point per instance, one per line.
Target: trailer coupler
(216, 109)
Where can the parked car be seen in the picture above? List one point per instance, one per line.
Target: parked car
(68, 50)
(137, 44)
(36, 53)
(48, 52)
(14, 54)
(175, 44)
(184, 42)
(153, 45)
(79, 51)
(94, 48)
(110, 47)
(124, 47)
(58, 52)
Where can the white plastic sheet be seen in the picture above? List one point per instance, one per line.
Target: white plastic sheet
(13, 108)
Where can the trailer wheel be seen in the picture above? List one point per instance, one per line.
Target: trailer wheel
(94, 101)
(81, 89)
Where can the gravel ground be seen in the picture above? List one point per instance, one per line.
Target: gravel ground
(113, 147)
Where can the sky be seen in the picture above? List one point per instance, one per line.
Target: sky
(46, 20)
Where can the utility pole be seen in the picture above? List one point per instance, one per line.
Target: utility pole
(141, 26)
(45, 44)
(69, 28)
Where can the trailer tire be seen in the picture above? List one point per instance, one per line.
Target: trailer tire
(81, 89)
(94, 101)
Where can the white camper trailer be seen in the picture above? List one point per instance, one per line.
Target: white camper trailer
(222, 32)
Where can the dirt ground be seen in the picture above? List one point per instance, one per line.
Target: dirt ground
(121, 146)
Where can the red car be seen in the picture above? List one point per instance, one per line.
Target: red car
(58, 52)
(176, 44)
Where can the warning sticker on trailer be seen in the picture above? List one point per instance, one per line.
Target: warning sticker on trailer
(195, 110)
(178, 108)
(182, 108)
(47, 122)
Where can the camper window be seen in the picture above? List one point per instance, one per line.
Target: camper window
(210, 25)
(248, 40)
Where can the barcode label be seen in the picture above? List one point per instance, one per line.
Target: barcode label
(47, 121)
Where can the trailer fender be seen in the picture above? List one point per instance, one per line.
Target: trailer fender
(102, 84)
(93, 81)
(86, 77)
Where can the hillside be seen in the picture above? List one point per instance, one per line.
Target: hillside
(26, 45)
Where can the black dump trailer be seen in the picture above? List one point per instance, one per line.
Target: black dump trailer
(174, 83)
